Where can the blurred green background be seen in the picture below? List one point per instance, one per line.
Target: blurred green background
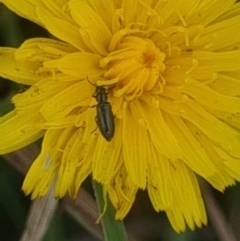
(143, 222)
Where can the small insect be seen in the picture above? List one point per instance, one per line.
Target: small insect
(105, 117)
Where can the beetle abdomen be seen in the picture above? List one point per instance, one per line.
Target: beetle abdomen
(105, 120)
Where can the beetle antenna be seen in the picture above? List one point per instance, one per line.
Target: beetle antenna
(90, 82)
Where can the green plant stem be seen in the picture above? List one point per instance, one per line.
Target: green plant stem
(113, 230)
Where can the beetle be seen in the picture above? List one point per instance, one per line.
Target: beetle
(105, 117)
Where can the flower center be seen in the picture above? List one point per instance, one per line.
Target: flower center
(136, 64)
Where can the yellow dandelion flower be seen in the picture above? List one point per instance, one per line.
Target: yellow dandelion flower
(170, 70)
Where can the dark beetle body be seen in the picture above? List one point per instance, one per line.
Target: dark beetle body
(104, 118)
